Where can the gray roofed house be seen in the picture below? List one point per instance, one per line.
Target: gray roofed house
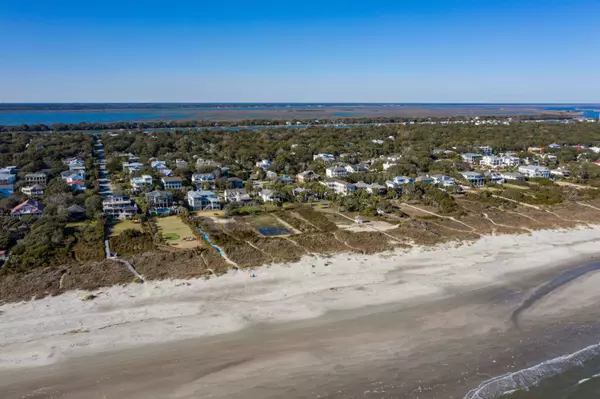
(158, 200)
(76, 211)
(198, 178)
(236, 195)
(474, 178)
(308, 175)
(515, 176)
(38, 177)
(119, 207)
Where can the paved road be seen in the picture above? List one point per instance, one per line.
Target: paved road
(103, 176)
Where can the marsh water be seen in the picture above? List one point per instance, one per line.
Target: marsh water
(16, 114)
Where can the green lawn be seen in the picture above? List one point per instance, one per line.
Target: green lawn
(125, 225)
(171, 236)
(508, 185)
(174, 231)
(90, 223)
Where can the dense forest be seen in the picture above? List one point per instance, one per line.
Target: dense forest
(292, 150)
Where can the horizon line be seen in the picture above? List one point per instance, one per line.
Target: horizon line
(302, 102)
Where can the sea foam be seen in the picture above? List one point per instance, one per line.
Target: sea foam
(527, 378)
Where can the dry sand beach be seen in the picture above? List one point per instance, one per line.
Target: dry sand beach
(418, 323)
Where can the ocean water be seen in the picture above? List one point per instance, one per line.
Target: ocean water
(573, 376)
(51, 117)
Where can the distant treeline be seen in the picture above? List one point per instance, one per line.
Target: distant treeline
(87, 126)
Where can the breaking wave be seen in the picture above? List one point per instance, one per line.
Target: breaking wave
(527, 378)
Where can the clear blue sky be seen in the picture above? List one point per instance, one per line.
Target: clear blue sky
(300, 50)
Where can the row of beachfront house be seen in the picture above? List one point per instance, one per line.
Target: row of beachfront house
(132, 165)
(337, 171)
(477, 179)
(199, 180)
(160, 202)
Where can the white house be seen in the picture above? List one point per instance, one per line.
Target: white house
(199, 178)
(402, 180)
(486, 150)
(132, 166)
(268, 196)
(272, 175)
(394, 157)
(494, 176)
(336, 171)
(307, 176)
(181, 164)
(37, 190)
(471, 158)
(74, 162)
(158, 164)
(514, 176)
(339, 186)
(491, 161)
(532, 171)
(236, 195)
(474, 178)
(388, 164)
(360, 168)
(324, 157)
(510, 161)
(560, 171)
(137, 183)
(203, 200)
(443, 180)
(172, 183)
(264, 164)
(71, 175)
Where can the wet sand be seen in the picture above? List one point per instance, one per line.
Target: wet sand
(435, 346)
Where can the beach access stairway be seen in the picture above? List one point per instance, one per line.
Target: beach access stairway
(111, 256)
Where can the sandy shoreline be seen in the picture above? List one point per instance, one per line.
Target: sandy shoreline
(470, 288)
